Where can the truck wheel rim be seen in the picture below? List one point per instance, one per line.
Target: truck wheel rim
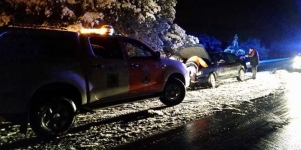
(172, 92)
(54, 117)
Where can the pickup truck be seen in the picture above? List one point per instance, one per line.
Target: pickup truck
(48, 76)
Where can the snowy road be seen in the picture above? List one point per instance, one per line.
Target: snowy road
(112, 127)
(270, 122)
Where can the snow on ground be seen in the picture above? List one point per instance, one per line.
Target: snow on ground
(110, 127)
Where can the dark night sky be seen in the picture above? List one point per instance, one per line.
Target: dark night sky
(268, 20)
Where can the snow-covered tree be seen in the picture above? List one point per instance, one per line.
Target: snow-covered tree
(177, 37)
(150, 21)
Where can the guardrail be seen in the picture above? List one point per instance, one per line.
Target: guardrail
(269, 60)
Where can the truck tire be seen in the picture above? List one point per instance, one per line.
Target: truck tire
(174, 92)
(53, 117)
(241, 75)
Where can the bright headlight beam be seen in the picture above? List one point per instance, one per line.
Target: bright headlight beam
(297, 62)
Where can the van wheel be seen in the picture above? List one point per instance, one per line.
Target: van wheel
(212, 81)
(241, 75)
(174, 92)
(52, 117)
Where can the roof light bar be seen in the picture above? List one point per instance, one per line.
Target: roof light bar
(104, 30)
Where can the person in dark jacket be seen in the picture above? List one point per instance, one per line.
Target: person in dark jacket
(254, 61)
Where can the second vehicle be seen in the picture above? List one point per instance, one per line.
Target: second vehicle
(221, 65)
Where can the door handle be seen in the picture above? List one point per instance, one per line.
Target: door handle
(98, 66)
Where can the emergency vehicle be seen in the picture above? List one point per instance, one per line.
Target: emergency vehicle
(49, 75)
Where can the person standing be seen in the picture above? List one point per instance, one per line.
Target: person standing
(254, 61)
(193, 64)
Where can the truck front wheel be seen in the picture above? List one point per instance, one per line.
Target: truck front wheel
(52, 117)
(174, 92)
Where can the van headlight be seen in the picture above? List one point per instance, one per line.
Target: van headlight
(297, 62)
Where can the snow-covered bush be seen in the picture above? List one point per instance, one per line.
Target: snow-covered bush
(229, 49)
(240, 52)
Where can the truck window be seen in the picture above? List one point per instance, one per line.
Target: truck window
(136, 49)
(56, 44)
(29, 44)
(106, 48)
(17, 45)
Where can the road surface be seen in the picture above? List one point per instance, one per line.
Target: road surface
(271, 122)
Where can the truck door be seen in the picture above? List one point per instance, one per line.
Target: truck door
(145, 70)
(108, 73)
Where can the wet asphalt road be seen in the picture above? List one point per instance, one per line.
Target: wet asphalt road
(272, 122)
(268, 123)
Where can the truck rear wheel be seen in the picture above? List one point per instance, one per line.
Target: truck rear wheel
(52, 117)
(174, 92)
